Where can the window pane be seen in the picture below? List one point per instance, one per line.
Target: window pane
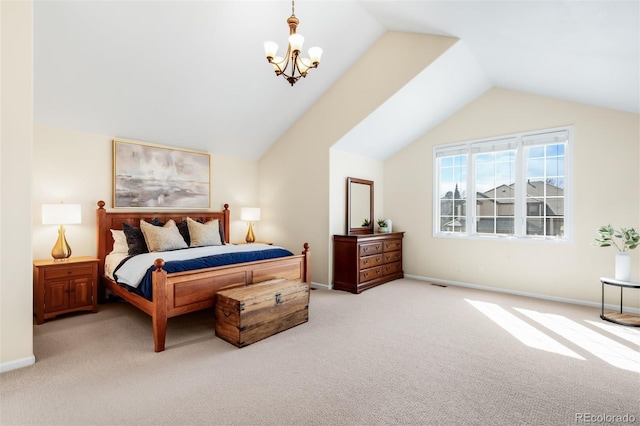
(555, 227)
(555, 166)
(446, 161)
(504, 225)
(494, 191)
(535, 226)
(446, 174)
(555, 187)
(555, 150)
(452, 172)
(535, 167)
(554, 207)
(460, 160)
(536, 152)
(505, 207)
(446, 208)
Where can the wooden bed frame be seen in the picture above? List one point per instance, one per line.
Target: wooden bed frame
(182, 292)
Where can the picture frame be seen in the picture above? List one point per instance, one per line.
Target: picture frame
(147, 175)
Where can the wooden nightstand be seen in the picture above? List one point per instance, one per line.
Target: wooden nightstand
(62, 287)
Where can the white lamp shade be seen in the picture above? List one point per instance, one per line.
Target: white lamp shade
(270, 49)
(315, 53)
(296, 41)
(61, 214)
(250, 214)
(304, 64)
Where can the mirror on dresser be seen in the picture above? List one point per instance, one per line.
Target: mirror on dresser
(359, 206)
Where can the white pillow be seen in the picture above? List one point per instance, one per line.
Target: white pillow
(162, 238)
(119, 241)
(204, 234)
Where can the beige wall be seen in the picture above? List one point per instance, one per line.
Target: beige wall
(295, 178)
(16, 136)
(76, 167)
(606, 187)
(343, 165)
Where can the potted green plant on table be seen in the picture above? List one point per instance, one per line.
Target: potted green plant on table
(623, 239)
(382, 225)
(365, 223)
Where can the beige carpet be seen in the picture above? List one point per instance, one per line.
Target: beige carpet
(403, 353)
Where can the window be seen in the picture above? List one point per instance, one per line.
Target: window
(517, 185)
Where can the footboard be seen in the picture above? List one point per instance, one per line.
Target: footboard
(182, 292)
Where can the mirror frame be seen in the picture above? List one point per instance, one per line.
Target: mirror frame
(359, 230)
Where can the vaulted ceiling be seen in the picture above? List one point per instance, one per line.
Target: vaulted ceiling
(193, 74)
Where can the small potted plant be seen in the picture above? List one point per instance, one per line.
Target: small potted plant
(382, 225)
(365, 223)
(623, 239)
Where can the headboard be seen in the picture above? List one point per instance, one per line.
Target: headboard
(108, 220)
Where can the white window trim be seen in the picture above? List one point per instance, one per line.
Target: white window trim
(520, 217)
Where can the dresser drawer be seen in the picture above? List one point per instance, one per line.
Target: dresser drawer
(392, 256)
(67, 272)
(392, 268)
(370, 248)
(370, 261)
(393, 245)
(370, 274)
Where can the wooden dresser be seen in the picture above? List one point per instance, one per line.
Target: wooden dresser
(367, 260)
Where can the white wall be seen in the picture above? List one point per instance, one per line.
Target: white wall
(295, 177)
(16, 136)
(76, 167)
(343, 165)
(606, 187)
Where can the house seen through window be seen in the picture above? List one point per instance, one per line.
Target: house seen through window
(517, 186)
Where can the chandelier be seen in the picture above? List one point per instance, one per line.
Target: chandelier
(292, 66)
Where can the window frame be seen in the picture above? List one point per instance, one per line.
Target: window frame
(521, 143)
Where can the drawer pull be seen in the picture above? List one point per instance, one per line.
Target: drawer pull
(366, 261)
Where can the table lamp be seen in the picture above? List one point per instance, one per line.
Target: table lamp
(61, 214)
(250, 214)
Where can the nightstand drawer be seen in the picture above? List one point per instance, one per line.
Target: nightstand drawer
(67, 272)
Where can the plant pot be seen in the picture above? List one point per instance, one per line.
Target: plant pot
(623, 266)
(383, 229)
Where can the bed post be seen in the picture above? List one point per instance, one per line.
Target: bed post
(226, 223)
(307, 264)
(101, 249)
(159, 313)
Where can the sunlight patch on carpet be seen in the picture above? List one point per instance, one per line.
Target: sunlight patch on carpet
(627, 333)
(521, 330)
(601, 346)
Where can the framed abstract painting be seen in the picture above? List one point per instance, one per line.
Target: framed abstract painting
(153, 176)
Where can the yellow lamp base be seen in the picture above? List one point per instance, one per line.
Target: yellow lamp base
(61, 250)
(251, 238)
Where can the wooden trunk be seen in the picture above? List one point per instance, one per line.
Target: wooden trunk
(245, 315)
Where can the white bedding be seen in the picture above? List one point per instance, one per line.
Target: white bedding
(132, 272)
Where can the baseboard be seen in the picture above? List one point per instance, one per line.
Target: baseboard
(523, 293)
(19, 363)
(322, 286)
